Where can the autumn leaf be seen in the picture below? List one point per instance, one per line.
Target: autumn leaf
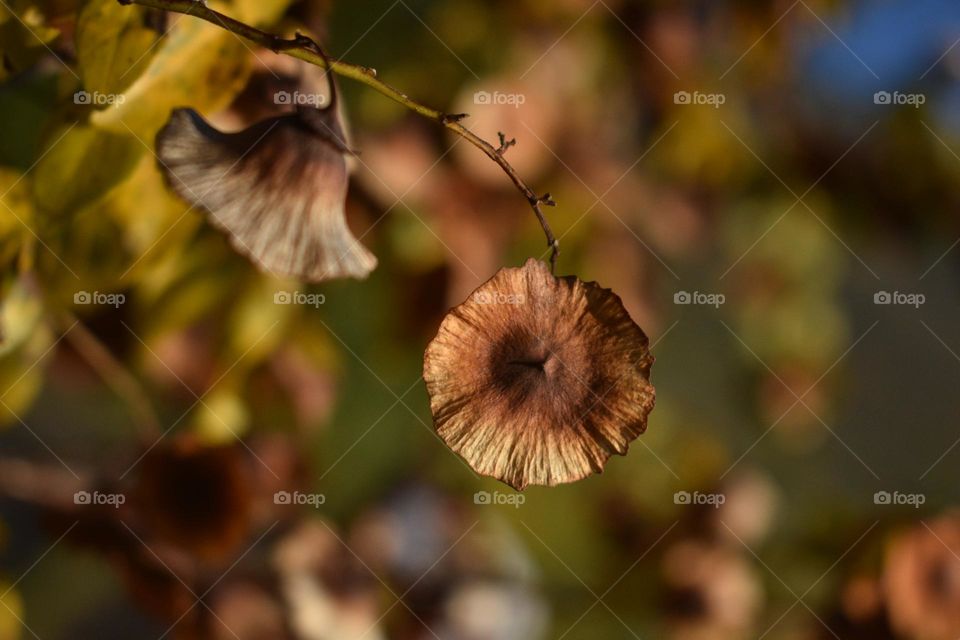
(114, 45)
(196, 65)
(80, 166)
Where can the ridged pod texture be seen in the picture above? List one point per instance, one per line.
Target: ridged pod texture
(536, 379)
(277, 188)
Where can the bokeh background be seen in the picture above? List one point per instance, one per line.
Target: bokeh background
(771, 187)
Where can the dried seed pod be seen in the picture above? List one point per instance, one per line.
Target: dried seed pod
(537, 379)
(277, 188)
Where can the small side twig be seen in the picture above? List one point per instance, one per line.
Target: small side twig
(123, 383)
(306, 49)
(504, 143)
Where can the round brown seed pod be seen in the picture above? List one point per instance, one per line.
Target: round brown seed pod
(537, 379)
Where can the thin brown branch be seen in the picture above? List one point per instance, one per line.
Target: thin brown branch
(39, 484)
(123, 383)
(306, 49)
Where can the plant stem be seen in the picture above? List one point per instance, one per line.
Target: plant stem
(40, 485)
(303, 48)
(117, 377)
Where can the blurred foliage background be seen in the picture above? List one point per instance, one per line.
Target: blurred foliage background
(785, 184)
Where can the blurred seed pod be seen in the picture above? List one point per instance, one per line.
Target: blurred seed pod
(454, 569)
(188, 513)
(196, 497)
(277, 188)
(860, 613)
(921, 580)
(329, 593)
(245, 610)
(311, 389)
(750, 506)
(181, 361)
(407, 531)
(712, 592)
(401, 163)
(524, 110)
(488, 610)
(797, 427)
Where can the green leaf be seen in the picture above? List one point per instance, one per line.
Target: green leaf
(15, 213)
(24, 36)
(114, 45)
(81, 164)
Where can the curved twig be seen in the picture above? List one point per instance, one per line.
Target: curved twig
(306, 49)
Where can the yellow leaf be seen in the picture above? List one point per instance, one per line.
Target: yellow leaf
(258, 12)
(114, 46)
(15, 213)
(147, 211)
(11, 612)
(24, 31)
(222, 417)
(259, 318)
(81, 166)
(197, 65)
